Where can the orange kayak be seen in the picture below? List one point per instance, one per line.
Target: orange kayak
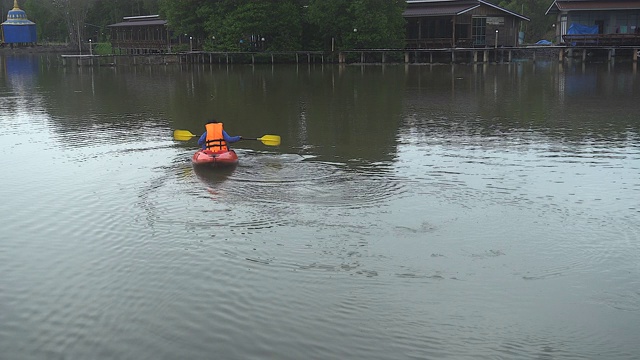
(216, 159)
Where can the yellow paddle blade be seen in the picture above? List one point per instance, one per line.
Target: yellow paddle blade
(270, 140)
(182, 135)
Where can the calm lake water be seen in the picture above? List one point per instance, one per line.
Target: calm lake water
(411, 212)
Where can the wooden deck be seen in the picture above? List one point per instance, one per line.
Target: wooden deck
(197, 57)
(371, 56)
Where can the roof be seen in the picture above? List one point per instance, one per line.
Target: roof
(139, 23)
(145, 20)
(441, 9)
(141, 17)
(420, 8)
(17, 16)
(18, 23)
(573, 5)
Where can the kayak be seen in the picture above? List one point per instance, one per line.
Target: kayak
(215, 159)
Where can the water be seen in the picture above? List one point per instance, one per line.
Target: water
(411, 212)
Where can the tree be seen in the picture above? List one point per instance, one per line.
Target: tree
(74, 14)
(186, 16)
(331, 20)
(358, 23)
(540, 25)
(255, 25)
(51, 15)
(49, 26)
(378, 23)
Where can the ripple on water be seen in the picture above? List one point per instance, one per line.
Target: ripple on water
(288, 179)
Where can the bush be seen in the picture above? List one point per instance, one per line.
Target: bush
(102, 49)
(180, 48)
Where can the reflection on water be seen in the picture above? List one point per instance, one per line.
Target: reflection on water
(20, 72)
(410, 212)
(213, 176)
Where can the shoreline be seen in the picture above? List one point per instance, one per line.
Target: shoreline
(360, 56)
(37, 49)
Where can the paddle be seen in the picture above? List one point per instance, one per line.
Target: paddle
(182, 135)
(269, 140)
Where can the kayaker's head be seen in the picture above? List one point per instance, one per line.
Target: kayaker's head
(212, 121)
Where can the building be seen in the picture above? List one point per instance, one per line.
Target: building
(597, 22)
(18, 30)
(461, 23)
(140, 35)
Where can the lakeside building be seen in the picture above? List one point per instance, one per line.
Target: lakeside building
(431, 24)
(461, 23)
(597, 22)
(141, 35)
(18, 30)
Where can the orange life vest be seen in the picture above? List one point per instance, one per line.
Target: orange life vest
(215, 140)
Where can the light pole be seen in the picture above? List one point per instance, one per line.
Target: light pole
(190, 43)
(355, 37)
(496, 43)
(90, 48)
(97, 32)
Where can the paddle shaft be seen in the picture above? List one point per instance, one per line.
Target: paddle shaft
(270, 140)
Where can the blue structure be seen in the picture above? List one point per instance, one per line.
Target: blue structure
(18, 29)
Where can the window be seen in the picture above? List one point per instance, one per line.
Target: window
(479, 30)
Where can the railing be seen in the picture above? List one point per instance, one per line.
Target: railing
(602, 39)
(139, 43)
(437, 43)
(429, 43)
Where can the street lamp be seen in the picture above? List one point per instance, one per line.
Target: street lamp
(496, 43)
(355, 37)
(190, 43)
(90, 48)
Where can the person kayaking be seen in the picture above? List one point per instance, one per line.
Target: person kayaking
(215, 138)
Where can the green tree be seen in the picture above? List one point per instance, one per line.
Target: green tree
(255, 25)
(187, 16)
(331, 21)
(74, 14)
(344, 24)
(378, 23)
(49, 27)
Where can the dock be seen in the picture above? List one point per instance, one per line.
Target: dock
(370, 56)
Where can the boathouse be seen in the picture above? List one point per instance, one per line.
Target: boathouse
(18, 30)
(460, 23)
(597, 22)
(140, 35)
